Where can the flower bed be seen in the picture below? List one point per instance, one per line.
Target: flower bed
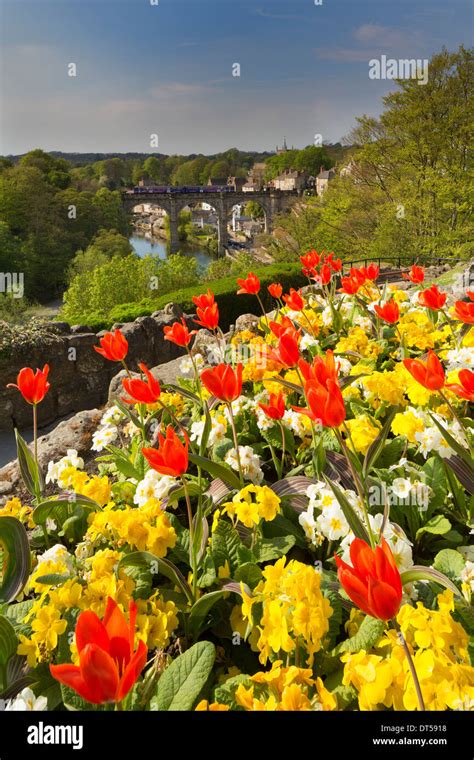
(286, 529)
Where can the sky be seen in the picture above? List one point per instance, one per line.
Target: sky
(165, 68)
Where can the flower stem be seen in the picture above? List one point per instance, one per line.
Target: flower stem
(357, 484)
(411, 665)
(236, 441)
(192, 548)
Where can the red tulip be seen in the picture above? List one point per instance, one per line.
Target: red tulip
(373, 582)
(223, 381)
(208, 316)
(430, 374)
(415, 275)
(108, 665)
(171, 456)
(142, 392)
(179, 333)
(464, 311)
(325, 403)
(335, 264)
(278, 328)
(432, 298)
(389, 312)
(324, 275)
(321, 370)
(310, 261)
(275, 409)
(288, 352)
(466, 389)
(372, 272)
(114, 346)
(250, 285)
(359, 274)
(294, 300)
(204, 300)
(275, 290)
(350, 285)
(33, 386)
(470, 294)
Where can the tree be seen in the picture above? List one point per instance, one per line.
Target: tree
(106, 245)
(409, 183)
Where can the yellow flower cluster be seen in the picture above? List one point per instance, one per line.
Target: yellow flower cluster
(97, 488)
(363, 432)
(407, 424)
(358, 341)
(14, 508)
(285, 689)
(418, 331)
(144, 528)
(175, 400)
(295, 612)
(249, 511)
(439, 647)
(385, 386)
(156, 621)
(46, 627)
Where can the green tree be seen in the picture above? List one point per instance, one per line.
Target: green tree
(106, 245)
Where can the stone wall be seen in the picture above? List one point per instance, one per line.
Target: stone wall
(79, 376)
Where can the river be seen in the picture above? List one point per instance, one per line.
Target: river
(144, 245)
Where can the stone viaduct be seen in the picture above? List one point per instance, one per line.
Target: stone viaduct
(272, 202)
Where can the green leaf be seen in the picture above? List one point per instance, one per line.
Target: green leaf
(267, 549)
(450, 563)
(368, 635)
(8, 640)
(376, 447)
(421, 573)
(16, 558)
(200, 611)
(181, 683)
(274, 438)
(164, 566)
(217, 470)
(30, 472)
(438, 525)
(67, 502)
(226, 546)
(435, 478)
(352, 518)
(249, 573)
(460, 450)
(53, 579)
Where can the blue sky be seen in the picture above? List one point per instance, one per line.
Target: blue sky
(167, 69)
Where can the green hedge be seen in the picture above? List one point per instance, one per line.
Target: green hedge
(230, 304)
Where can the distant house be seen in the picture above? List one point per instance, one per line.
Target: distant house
(249, 187)
(146, 182)
(291, 180)
(323, 179)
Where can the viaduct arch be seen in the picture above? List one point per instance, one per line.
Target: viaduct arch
(272, 202)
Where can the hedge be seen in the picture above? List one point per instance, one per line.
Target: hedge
(230, 304)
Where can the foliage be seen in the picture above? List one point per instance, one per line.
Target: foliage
(408, 185)
(229, 305)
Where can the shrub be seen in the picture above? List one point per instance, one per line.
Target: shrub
(225, 289)
(123, 280)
